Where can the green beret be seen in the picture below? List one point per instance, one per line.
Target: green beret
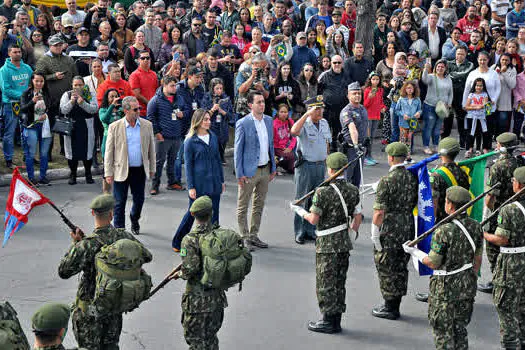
(202, 203)
(103, 203)
(447, 146)
(336, 160)
(397, 149)
(458, 195)
(52, 316)
(519, 175)
(507, 139)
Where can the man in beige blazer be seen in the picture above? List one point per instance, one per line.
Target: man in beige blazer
(129, 161)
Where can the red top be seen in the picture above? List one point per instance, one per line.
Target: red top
(375, 104)
(121, 86)
(147, 83)
(282, 138)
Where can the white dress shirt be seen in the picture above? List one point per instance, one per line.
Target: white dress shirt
(264, 146)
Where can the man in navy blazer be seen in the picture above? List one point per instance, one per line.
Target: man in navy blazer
(254, 167)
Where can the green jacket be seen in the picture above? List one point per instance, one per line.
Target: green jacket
(108, 116)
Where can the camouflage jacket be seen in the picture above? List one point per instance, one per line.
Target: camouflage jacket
(440, 185)
(197, 298)
(451, 250)
(81, 258)
(510, 268)
(328, 206)
(501, 172)
(11, 334)
(55, 347)
(397, 195)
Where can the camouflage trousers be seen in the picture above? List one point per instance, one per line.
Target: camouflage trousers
(449, 321)
(200, 329)
(331, 271)
(510, 305)
(391, 265)
(96, 333)
(492, 254)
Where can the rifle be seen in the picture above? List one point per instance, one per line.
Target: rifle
(171, 276)
(452, 216)
(330, 179)
(511, 199)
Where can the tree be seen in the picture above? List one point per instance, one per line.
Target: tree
(364, 33)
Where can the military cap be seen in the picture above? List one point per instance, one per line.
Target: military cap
(316, 101)
(397, 149)
(202, 203)
(336, 160)
(354, 86)
(447, 146)
(52, 316)
(507, 139)
(55, 40)
(519, 174)
(102, 203)
(458, 195)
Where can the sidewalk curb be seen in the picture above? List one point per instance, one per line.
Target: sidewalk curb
(52, 174)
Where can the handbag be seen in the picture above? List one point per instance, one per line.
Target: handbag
(441, 108)
(63, 126)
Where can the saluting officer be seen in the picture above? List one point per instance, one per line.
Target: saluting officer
(510, 267)
(455, 256)
(501, 172)
(392, 225)
(332, 207)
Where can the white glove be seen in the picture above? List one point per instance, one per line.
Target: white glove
(353, 234)
(374, 186)
(414, 251)
(298, 210)
(375, 237)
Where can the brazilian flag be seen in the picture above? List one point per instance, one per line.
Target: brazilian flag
(15, 106)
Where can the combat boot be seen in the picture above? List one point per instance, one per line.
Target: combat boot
(337, 323)
(324, 325)
(389, 310)
(486, 288)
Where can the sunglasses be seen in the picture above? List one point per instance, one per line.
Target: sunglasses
(145, 58)
(196, 24)
(136, 109)
(337, 62)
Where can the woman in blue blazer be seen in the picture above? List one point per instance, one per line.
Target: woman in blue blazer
(204, 175)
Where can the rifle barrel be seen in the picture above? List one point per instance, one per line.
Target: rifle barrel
(511, 199)
(166, 280)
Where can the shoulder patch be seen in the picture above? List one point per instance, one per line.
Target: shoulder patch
(436, 247)
(432, 179)
(500, 219)
(183, 252)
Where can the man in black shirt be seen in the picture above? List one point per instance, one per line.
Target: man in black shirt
(83, 48)
(210, 29)
(136, 19)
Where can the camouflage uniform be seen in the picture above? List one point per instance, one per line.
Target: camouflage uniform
(202, 308)
(333, 250)
(397, 196)
(440, 185)
(92, 330)
(509, 284)
(451, 297)
(12, 336)
(501, 172)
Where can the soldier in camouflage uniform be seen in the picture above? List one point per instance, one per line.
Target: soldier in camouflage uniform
(50, 326)
(333, 242)
(93, 330)
(202, 307)
(447, 175)
(455, 257)
(501, 172)
(508, 280)
(392, 225)
(12, 336)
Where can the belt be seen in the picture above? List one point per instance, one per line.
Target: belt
(262, 166)
(508, 250)
(448, 273)
(329, 231)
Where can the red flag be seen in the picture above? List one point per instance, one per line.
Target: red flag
(21, 200)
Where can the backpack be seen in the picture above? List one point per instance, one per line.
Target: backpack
(226, 261)
(12, 336)
(121, 283)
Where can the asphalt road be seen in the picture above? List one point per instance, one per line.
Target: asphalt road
(278, 297)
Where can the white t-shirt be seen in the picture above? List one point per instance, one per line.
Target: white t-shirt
(205, 138)
(262, 134)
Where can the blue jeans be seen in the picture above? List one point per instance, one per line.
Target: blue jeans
(10, 122)
(307, 177)
(187, 221)
(502, 122)
(394, 124)
(178, 163)
(30, 138)
(136, 181)
(431, 125)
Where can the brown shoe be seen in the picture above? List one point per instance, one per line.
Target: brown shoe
(175, 187)
(258, 243)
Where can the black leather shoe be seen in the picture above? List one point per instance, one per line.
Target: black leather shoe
(422, 297)
(89, 179)
(135, 227)
(337, 323)
(386, 311)
(324, 325)
(486, 288)
(248, 244)
(299, 240)
(72, 180)
(258, 243)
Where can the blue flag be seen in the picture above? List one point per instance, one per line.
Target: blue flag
(424, 213)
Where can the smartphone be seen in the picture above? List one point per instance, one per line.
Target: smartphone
(429, 60)
(9, 25)
(176, 56)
